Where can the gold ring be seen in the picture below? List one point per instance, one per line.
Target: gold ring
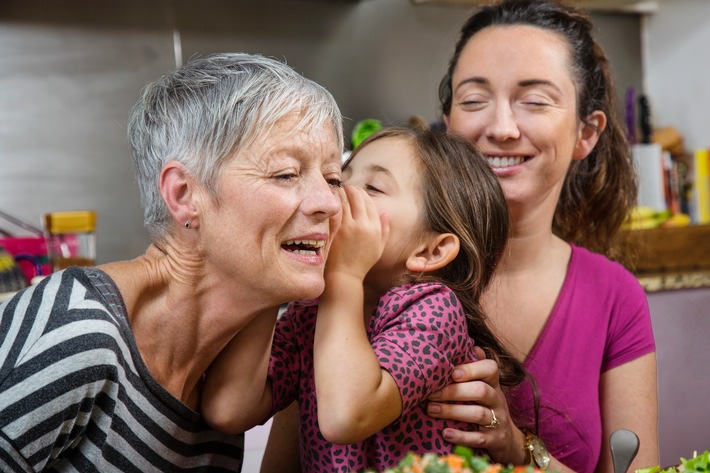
(494, 423)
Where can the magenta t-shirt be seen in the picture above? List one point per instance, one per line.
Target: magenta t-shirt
(600, 320)
(419, 333)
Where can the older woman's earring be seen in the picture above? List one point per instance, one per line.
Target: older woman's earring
(187, 224)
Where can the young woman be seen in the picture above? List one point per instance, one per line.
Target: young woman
(424, 226)
(530, 86)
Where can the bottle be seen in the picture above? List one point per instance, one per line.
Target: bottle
(71, 240)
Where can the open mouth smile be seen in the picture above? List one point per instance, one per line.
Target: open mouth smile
(304, 247)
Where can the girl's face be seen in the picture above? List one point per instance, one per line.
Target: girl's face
(388, 171)
(513, 94)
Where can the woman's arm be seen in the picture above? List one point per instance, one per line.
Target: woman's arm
(236, 394)
(282, 453)
(629, 400)
(623, 403)
(367, 399)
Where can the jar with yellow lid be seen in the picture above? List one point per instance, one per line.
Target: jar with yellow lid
(71, 238)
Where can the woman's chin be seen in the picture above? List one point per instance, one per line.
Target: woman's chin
(308, 288)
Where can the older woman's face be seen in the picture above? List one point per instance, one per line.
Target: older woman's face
(278, 209)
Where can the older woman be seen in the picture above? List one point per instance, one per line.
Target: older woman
(237, 157)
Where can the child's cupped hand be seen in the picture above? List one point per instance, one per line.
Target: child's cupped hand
(361, 238)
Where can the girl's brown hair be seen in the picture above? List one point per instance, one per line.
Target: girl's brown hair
(461, 195)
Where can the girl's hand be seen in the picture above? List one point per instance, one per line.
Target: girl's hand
(478, 382)
(361, 238)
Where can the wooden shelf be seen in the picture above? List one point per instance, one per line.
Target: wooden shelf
(672, 258)
(671, 249)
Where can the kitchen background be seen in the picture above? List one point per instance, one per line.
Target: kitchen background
(71, 69)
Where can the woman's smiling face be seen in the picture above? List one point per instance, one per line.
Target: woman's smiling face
(513, 94)
(277, 211)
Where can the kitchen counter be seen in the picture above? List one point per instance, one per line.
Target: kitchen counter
(675, 280)
(673, 265)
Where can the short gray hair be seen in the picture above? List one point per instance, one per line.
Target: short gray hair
(203, 113)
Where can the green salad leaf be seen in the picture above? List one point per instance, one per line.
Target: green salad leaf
(697, 464)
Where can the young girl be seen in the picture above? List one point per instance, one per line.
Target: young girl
(424, 225)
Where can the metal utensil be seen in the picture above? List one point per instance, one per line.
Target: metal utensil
(624, 447)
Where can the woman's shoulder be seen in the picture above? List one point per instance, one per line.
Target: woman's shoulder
(62, 316)
(594, 264)
(593, 276)
(59, 292)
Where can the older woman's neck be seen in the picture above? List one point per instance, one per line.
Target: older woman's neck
(181, 322)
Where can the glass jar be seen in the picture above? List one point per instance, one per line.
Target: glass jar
(71, 240)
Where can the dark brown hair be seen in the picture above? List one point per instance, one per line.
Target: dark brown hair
(461, 195)
(599, 191)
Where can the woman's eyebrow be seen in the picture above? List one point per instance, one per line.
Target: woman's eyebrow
(523, 83)
(535, 82)
(473, 80)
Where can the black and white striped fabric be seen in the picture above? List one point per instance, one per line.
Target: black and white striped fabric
(75, 395)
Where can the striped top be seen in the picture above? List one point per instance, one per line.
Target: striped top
(76, 396)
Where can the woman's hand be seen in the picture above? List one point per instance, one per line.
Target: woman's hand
(478, 382)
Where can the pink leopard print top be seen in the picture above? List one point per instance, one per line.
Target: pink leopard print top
(419, 334)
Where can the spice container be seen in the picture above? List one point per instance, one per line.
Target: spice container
(71, 240)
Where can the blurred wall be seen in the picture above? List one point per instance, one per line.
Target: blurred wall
(681, 326)
(677, 64)
(70, 70)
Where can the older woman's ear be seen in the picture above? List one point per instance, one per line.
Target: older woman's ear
(178, 191)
